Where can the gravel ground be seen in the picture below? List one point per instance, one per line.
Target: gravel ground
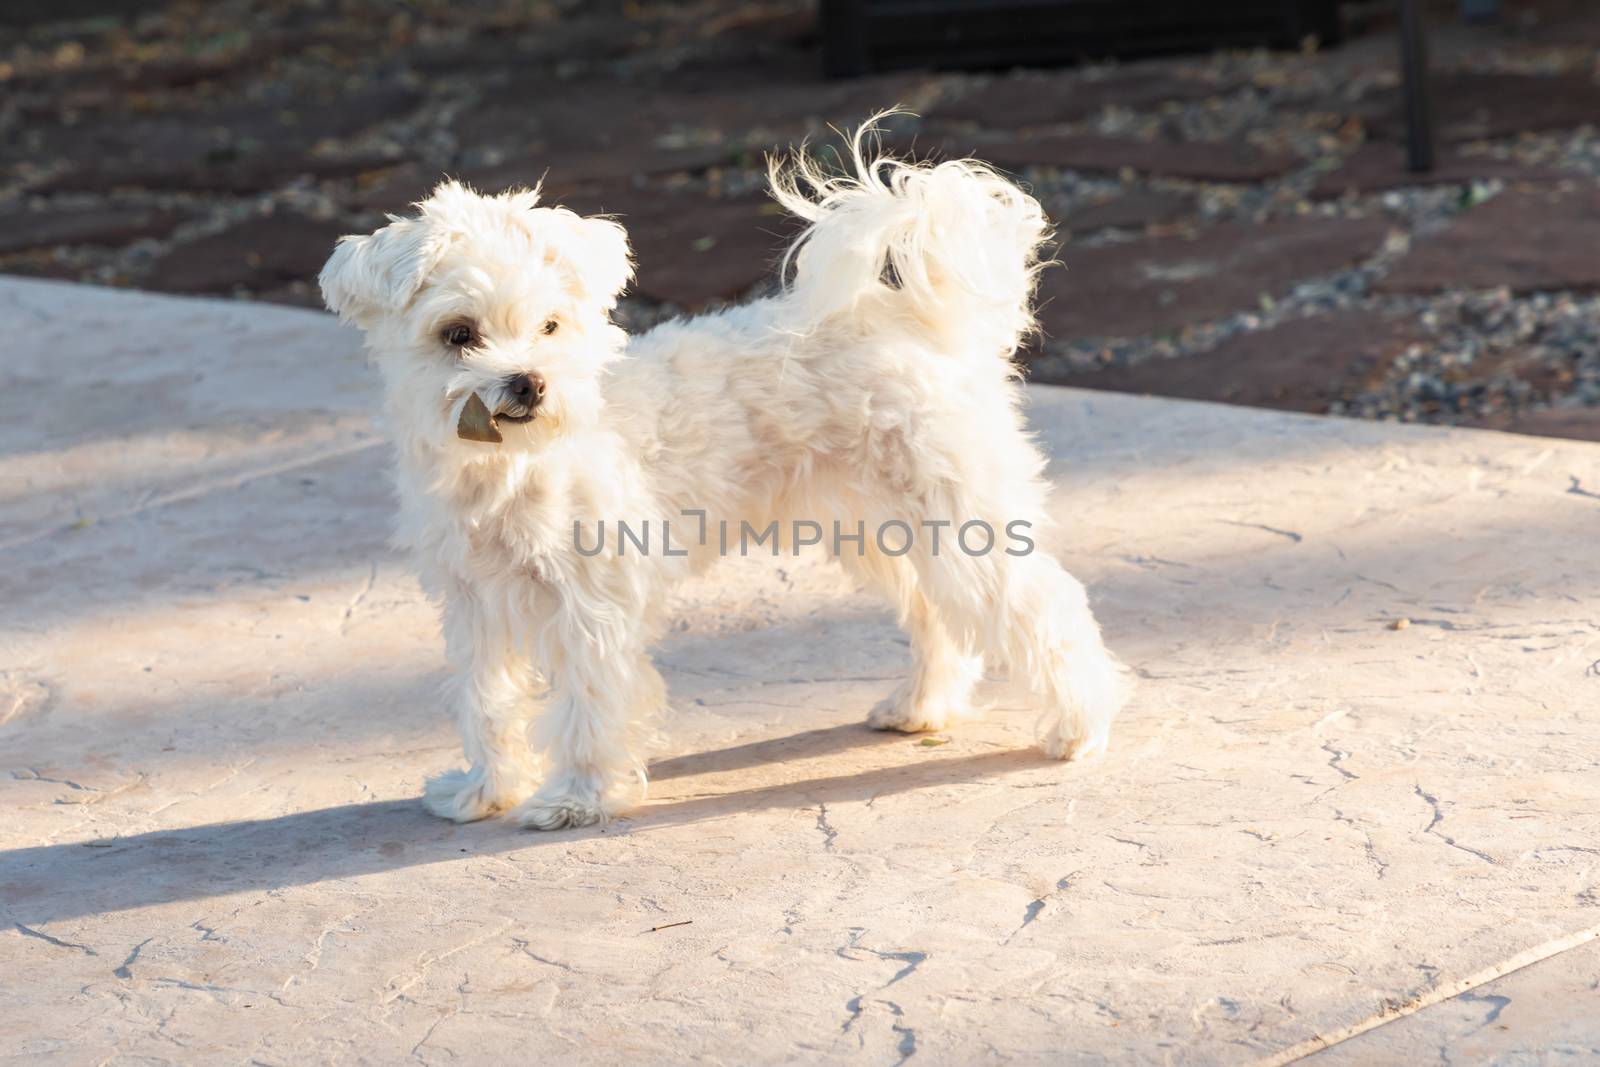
(676, 102)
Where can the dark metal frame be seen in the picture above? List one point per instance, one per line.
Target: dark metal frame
(1414, 71)
(863, 36)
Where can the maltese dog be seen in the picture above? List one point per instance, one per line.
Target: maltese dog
(870, 407)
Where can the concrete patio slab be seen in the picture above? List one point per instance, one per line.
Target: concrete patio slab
(217, 705)
(1532, 1016)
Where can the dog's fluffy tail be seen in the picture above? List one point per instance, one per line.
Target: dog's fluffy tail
(953, 244)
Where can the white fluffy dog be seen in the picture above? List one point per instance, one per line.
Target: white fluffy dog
(876, 390)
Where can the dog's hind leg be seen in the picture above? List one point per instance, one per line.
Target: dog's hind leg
(938, 691)
(492, 693)
(1057, 649)
(1033, 616)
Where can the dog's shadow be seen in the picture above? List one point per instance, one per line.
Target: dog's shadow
(807, 744)
(50, 883)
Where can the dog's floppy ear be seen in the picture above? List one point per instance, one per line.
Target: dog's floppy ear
(375, 274)
(595, 253)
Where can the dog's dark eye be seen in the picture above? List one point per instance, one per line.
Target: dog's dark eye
(459, 336)
(550, 327)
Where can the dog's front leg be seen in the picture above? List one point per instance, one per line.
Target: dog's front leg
(492, 694)
(590, 735)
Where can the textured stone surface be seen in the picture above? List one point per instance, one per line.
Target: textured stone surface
(204, 136)
(251, 174)
(1161, 283)
(259, 252)
(1574, 423)
(21, 230)
(600, 164)
(1378, 166)
(1523, 1018)
(1135, 209)
(1034, 99)
(650, 129)
(217, 703)
(693, 251)
(1301, 365)
(1556, 237)
(1477, 105)
(1205, 161)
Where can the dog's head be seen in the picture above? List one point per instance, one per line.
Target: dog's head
(489, 315)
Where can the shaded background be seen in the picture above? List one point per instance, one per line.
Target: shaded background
(1236, 226)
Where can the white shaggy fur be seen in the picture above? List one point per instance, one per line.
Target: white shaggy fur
(876, 386)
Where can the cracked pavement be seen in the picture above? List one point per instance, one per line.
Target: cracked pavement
(217, 707)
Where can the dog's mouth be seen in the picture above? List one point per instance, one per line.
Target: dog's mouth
(478, 423)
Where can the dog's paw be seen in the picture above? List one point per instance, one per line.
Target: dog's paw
(462, 796)
(937, 698)
(1101, 687)
(1057, 744)
(573, 799)
(905, 712)
(897, 713)
(557, 813)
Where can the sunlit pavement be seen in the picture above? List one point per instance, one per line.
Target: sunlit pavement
(218, 704)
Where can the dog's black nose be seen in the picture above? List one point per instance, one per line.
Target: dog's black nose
(526, 389)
